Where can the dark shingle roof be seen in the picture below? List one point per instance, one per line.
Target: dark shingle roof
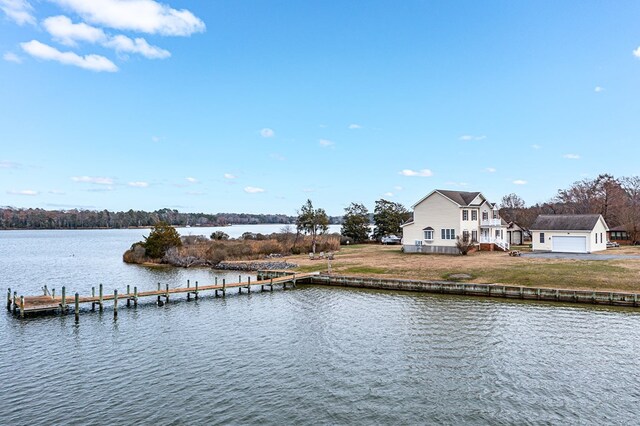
(460, 197)
(565, 222)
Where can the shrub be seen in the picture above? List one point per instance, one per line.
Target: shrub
(162, 237)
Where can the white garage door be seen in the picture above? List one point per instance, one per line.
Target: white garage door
(569, 244)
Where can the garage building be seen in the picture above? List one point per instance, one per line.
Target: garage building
(573, 233)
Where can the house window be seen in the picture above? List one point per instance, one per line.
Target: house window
(474, 236)
(601, 238)
(418, 242)
(448, 234)
(474, 215)
(542, 238)
(485, 215)
(465, 235)
(465, 214)
(495, 214)
(428, 234)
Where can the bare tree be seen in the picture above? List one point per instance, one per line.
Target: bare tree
(630, 211)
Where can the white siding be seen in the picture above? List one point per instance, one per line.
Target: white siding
(437, 212)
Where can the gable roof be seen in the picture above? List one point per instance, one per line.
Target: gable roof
(566, 222)
(461, 198)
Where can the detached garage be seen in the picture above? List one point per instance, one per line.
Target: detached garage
(575, 233)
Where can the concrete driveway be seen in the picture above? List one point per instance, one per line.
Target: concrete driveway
(581, 256)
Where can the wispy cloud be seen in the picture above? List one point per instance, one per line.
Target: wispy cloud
(56, 192)
(421, 173)
(139, 184)
(124, 44)
(354, 126)
(156, 139)
(64, 31)
(451, 183)
(90, 62)
(229, 176)
(520, 182)
(278, 157)
(598, 89)
(19, 11)
(490, 170)
(253, 190)
(103, 189)
(94, 180)
(398, 188)
(12, 57)
(8, 165)
(267, 133)
(29, 192)
(536, 146)
(571, 156)
(191, 179)
(472, 137)
(145, 16)
(325, 143)
(636, 52)
(388, 194)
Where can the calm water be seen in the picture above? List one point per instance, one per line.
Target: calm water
(312, 355)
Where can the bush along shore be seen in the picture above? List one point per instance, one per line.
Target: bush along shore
(252, 252)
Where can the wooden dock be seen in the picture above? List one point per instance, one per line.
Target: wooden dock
(49, 302)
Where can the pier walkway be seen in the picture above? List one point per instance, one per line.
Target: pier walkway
(49, 302)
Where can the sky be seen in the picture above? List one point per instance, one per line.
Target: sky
(256, 106)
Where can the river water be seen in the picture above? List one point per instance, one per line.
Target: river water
(313, 355)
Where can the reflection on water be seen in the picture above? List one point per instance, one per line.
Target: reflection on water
(305, 356)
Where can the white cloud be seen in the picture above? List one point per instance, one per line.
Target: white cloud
(398, 188)
(146, 16)
(191, 180)
(355, 126)
(490, 170)
(326, 143)
(472, 137)
(421, 173)
(571, 156)
(229, 176)
(123, 44)
(95, 180)
(388, 194)
(267, 133)
(636, 52)
(66, 32)
(598, 89)
(57, 192)
(103, 189)
(139, 184)
(253, 190)
(520, 182)
(536, 146)
(278, 157)
(18, 11)
(46, 52)
(156, 138)
(29, 192)
(12, 57)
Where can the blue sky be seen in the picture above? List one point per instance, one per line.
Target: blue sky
(255, 106)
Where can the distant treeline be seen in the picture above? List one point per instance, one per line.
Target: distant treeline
(20, 218)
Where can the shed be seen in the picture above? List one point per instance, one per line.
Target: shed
(574, 233)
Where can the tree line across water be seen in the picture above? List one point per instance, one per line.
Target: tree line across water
(21, 218)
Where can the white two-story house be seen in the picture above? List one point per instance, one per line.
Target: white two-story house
(443, 215)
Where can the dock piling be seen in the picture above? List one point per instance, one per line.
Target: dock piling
(135, 296)
(21, 306)
(8, 299)
(63, 303)
(115, 304)
(15, 301)
(188, 292)
(53, 293)
(77, 307)
(196, 294)
(93, 294)
(159, 294)
(166, 296)
(128, 296)
(100, 297)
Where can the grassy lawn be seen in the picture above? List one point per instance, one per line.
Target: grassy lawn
(484, 267)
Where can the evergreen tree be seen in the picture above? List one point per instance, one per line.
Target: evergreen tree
(388, 216)
(355, 223)
(162, 237)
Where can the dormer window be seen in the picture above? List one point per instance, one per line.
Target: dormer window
(428, 233)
